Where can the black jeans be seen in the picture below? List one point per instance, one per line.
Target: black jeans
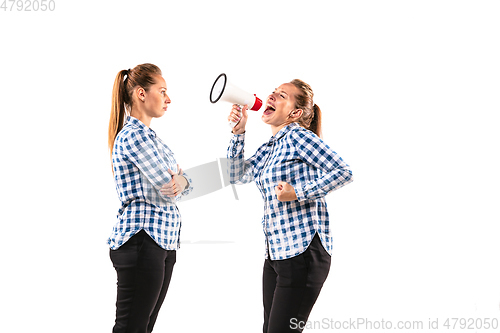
(144, 270)
(291, 287)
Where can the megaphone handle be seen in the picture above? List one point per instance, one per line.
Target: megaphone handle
(232, 123)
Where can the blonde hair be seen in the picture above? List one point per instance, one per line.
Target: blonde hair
(121, 102)
(311, 113)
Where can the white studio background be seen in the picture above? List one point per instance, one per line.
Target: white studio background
(409, 93)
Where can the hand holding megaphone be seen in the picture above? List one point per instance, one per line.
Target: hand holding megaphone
(238, 117)
(224, 90)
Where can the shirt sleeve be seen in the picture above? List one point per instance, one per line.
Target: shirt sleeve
(335, 172)
(142, 152)
(240, 171)
(169, 156)
(189, 187)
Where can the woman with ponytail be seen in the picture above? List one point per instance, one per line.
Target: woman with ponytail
(148, 180)
(294, 172)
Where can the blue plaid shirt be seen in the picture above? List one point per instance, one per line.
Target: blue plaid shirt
(300, 158)
(140, 163)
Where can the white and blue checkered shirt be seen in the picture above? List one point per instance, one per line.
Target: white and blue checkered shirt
(140, 163)
(300, 158)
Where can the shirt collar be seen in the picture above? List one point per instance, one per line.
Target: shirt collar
(134, 121)
(282, 132)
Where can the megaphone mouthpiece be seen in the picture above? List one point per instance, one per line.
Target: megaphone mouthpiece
(257, 104)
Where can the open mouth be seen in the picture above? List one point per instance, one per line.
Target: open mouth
(269, 109)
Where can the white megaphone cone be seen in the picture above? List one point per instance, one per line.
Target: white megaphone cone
(223, 90)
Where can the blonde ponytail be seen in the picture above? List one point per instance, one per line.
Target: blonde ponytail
(311, 113)
(121, 102)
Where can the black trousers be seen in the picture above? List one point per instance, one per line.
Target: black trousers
(144, 270)
(291, 287)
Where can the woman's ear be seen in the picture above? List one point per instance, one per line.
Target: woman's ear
(297, 113)
(141, 94)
